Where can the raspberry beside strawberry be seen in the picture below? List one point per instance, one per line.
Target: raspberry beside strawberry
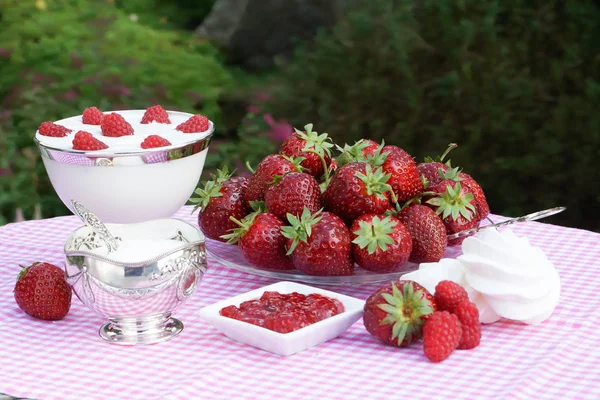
(441, 335)
(468, 315)
(448, 295)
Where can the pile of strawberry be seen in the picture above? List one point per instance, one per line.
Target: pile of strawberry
(403, 312)
(372, 205)
(114, 125)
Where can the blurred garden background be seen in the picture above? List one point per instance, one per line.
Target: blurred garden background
(515, 83)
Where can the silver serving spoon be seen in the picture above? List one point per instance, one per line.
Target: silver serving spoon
(528, 217)
(91, 220)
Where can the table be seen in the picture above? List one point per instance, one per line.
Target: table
(67, 360)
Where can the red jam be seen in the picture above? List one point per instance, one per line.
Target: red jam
(285, 313)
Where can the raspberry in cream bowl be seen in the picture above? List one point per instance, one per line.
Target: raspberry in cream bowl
(128, 166)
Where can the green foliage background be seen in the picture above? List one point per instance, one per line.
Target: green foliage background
(516, 83)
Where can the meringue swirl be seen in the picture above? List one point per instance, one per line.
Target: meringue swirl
(514, 278)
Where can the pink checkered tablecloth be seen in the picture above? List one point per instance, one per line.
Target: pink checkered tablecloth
(559, 359)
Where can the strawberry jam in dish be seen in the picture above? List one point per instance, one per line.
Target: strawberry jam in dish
(285, 313)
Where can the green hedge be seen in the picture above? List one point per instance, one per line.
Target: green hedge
(58, 57)
(516, 83)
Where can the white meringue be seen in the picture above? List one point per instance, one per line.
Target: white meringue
(503, 274)
(514, 278)
(430, 274)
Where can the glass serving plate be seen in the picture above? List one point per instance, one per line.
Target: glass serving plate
(231, 256)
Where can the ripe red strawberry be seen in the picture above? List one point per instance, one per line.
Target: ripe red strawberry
(86, 141)
(314, 148)
(448, 295)
(51, 129)
(156, 114)
(379, 243)
(468, 315)
(404, 178)
(92, 116)
(219, 200)
(319, 244)
(359, 151)
(431, 172)
(396, 313)
(429, 238)
(114, 125)
(455, 206)
(432, 169)
(481, 206)
(356, 189)
(271, 166)
(441, 335)
(42, 292)
(154, 141)
(196, 123)
(292, 193)
(261, 241)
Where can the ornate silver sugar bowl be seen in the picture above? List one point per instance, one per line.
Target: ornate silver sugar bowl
(135, 275)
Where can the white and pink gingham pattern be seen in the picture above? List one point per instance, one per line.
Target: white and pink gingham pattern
(67, 360)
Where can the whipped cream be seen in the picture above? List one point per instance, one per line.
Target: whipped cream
(515, 278)
(503, 274)
(129, 143)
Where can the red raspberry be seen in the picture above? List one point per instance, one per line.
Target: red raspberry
(156, 114)
(197, 123)
(115, 125)
(468, 315)
(441, 335)
(86, 141)
(51, 129)
(449, 294)
(92, 116)
(153, 141)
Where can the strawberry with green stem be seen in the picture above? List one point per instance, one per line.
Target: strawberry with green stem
(358, 152)
(427, 230)
(455, 206)
(433, 170)
(313, 147)
(260, 239)
(357, 189)
(271, 166)
(291, 193)
(220, 199)
(396, 313)
(380, 243)
(319, 244)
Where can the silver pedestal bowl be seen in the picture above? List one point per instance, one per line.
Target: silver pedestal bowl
(137, 291)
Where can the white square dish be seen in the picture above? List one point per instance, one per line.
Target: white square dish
(284, 344)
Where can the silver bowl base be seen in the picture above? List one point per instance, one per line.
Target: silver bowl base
(149, 330)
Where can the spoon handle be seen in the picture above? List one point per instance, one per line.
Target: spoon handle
(528, 217)
(91, 220)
